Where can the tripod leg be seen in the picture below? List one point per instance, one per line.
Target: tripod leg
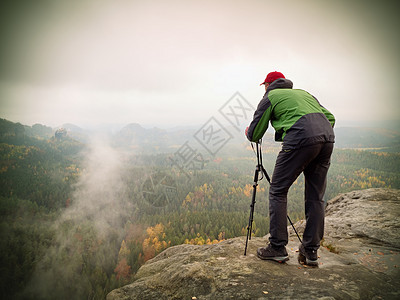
(252, 205)
(291, 223)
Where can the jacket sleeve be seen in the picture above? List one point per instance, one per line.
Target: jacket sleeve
(329, 116)
(327, 113)
(260, 121)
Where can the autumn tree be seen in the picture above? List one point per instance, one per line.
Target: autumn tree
(155, 241)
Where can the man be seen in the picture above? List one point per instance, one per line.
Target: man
(306, 130)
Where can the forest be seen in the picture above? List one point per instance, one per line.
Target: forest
(79, 219)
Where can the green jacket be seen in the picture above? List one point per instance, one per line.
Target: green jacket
(297, 117)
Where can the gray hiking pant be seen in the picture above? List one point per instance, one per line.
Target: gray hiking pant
(314, 161)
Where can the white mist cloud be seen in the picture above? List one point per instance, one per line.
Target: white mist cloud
(101, 193)
(88, 233)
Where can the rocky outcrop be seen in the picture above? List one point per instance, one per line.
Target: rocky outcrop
(359, 260)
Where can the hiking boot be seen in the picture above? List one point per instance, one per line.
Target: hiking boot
(308, 257)
(272, 253)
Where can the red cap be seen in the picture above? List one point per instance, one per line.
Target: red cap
(271, 77)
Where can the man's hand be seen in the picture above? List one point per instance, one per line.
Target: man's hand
(247, 129)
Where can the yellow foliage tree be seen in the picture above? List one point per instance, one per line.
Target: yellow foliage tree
(248, 190)
(154, 243)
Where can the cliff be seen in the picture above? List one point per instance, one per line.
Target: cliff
(359, 260)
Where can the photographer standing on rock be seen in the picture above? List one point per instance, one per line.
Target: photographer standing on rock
(306, 129)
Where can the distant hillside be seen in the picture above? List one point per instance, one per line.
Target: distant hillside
(346, 137)
(134, 136)
(363, 137)
(31, 157)
(9, 129)
(76, 132)
(154, 139)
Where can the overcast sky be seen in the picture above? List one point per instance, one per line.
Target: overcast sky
(172, 63)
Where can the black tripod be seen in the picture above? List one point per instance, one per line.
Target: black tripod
(260, 168)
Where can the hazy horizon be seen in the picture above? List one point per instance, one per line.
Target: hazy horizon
(176, 63)
(114, 127)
